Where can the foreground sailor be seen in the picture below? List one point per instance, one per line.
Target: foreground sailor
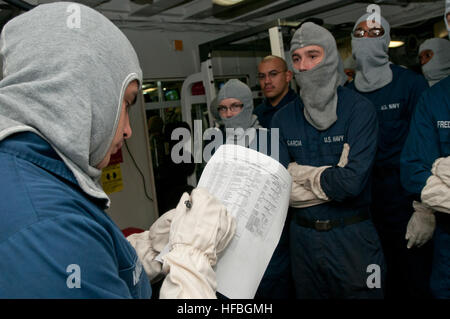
(65, 98)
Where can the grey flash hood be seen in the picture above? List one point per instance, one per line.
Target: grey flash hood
(236, 89)
(318, 86)
(439, 66)
(372, 60)
(66, 68)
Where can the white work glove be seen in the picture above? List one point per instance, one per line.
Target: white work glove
(436, 192)
(441, 169)
(301, 197)
(436, 195)
(150, 243)
(343, 161)
(420, 226)
(197, 235)
(306, 190)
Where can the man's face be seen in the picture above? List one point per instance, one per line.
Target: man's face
(123, 127)
(448, 18)
(425, 56)
(229, 107)
(274, 78)
(304, 59)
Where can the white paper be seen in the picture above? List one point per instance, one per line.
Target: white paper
(255, 189)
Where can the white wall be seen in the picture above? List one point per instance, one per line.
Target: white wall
(237, 65)
(158, 57)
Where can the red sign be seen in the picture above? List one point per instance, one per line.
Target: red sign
(198, 89)
(116, 158)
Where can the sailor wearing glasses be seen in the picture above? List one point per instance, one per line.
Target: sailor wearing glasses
(394, 91)
(233, 112)
(235, 122)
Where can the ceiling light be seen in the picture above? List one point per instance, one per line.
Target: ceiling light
(149, 90)
(226, 2)
(396, 44)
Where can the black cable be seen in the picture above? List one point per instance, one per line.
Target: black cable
(140, 172)
(20, 4)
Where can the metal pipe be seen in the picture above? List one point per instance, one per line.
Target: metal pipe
(20, 4)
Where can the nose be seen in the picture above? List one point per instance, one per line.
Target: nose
(229, 114)
(303, 65)
(127, 131)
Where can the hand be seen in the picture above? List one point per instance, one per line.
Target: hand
(420, 226)
(441, 169)
(159, 231)
(307, 177)
(203, 223)
(150, 243)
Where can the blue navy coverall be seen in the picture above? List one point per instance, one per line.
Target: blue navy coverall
(56, 241)
(428, 140)
(408, 271)
(265, 111)
(334, 263)
(277, 282)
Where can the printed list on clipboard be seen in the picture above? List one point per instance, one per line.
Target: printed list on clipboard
(255, 188)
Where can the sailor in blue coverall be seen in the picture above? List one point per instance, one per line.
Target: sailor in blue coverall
(394, 91)
(428, 140)
(334, 245)
(274, 78)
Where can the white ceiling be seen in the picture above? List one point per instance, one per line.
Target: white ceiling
(202, 15)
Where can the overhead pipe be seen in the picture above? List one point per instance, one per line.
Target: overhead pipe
(20, 4)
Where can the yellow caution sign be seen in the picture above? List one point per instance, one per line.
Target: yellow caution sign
(112, 179)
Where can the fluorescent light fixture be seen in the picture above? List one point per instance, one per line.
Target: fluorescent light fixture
(226, 2)
(149, 90)
(396, 44)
